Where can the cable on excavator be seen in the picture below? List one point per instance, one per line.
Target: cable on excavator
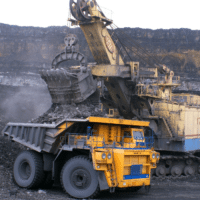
(129, 44)
(124, 43)
(120, 46)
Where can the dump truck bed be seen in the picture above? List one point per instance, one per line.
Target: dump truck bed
(39, 137)
(46, 137)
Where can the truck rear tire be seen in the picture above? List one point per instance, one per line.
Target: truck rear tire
(28, 169)
(79, 179)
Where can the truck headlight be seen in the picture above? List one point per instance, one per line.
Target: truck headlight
(109, 156)
(153, 155)
(157, 156)
(103, 156)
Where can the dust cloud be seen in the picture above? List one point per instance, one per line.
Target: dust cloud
(24, 103)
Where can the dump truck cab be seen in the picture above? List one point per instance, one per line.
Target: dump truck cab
(122, 154)
(133, 136)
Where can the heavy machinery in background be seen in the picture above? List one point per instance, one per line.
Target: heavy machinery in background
(133, 91)
(85, 155)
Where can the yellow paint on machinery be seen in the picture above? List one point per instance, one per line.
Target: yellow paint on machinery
(118, 121)
(183, 120)
(120, 153)
(119, 164)
(158, 90)
(116, 162)
(117, 145)
(111, 71)
(104, 51)
(99, 40)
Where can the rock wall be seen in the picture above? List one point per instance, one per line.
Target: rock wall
(179, 49)
(26, 50)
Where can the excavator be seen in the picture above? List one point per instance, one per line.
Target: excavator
(125, 87)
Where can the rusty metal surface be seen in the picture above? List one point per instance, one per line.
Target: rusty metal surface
(121, 95)
(62, 57)
(66, 87)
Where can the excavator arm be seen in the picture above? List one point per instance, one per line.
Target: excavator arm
(119, 78)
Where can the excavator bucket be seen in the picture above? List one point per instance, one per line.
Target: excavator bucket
(70, 84)
(66, 87)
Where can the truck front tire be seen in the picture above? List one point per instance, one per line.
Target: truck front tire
(28, 169)
(79, 179)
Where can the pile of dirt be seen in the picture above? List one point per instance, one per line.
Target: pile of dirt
(8, 152)
(8, 149)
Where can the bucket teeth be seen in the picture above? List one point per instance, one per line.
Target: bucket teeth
(67, 87)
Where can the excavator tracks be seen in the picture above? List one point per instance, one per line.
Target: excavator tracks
(174, 167)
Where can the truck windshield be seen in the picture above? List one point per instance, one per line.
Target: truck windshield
(138, 135)
(127, 134)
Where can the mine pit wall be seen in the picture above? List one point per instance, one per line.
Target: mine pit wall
(30, 49)
(181, 129)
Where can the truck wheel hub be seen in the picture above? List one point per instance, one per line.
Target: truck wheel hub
(80, 178)
(24, 170)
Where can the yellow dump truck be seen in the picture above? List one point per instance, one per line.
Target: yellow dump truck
(85, 155)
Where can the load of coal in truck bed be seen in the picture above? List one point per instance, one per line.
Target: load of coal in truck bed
(59, 112)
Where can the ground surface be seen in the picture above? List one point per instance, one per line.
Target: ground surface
(183, 188)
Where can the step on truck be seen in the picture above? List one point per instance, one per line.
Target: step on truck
(84, 155)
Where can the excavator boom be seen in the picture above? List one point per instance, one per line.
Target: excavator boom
(110, 67)
(76, 84)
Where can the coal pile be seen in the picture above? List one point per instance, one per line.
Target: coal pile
(59, 112)
(8, 149)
